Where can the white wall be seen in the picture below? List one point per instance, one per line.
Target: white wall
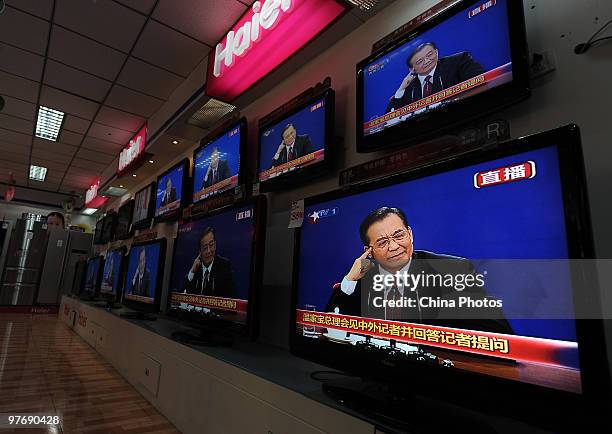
(13, 211)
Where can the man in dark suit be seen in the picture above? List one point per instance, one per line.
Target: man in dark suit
(169, 193)
(388, 240)
(429, 74)
(141, 282)
(218, 170)
(293, 146)
(210, 273)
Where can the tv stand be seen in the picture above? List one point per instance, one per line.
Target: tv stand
(139, 316)
(204, 337)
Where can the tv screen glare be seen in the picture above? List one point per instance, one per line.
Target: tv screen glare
(477, 252)
(143, 278)
(143, 205)
(472, 53)
(111, 276)
(92, 275)
(298, 141)
(123, 227)
(170, 186)
(214, 265)
(217, 163)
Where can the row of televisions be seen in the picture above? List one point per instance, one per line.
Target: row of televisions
(462, 64)
(524, 200)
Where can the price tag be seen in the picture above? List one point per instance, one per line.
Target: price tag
(296, 218)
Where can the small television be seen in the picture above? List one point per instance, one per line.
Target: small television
(144, 276)
(217, 163)
(123, 227)
(296, 144)
(93, 277)
(172, 192)
(112, 276)
(98, 232)
(461, 64)
(457, 277)
(109, 224)
(144, 207)
(217, 270)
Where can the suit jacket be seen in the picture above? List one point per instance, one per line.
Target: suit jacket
(169, 198)
(360, 303)
(220, 281)
(142, 287)
(450, 71)
(301, 147)
(223, 172)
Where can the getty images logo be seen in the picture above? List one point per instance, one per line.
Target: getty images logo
(238, 42)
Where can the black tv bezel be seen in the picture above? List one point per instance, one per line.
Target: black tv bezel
(116, 295)
(251, 328)
(139, 305)
(146, 222)
(243, 125)
(129, 204)
(97, 239)
(302, 174)
(432, 124)
(595, 378)
(186, 194)
(109, 219)
(96, 291)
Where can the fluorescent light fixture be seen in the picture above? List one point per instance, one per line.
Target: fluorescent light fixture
(38, 173)
(175, 142)
(49, 123)
(151, 161)
(134, 175)
(89, 211)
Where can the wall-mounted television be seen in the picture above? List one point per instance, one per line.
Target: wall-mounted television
(112, 276)
(109, 224)
(172, 192)
(144, 207)
(217, 163)
(217, 266)
(298, 143)
(123, 227)
(378, 265)
(97, 239)
(144, 275)
(462, 64)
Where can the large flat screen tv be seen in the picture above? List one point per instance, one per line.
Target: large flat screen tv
(217, 162)
(109, 224)
(123, 227)
(381, 269)
(144, 275)
(144, 206)
(93, 275)
(462, 64)
(172, 192)
(112, 276)
(98, 231)
(217, 266)
(296, 144)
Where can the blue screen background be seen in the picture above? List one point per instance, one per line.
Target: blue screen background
(176, 176)
(152, 252)
(115, 257)
(485, 36)
(93, 267)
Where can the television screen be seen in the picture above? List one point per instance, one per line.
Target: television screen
(98, 232)
(213, 270)
(469, 51)
(111, 277)
(466, 261)
(144, 272)
(144, 202)
(92, 275)
(108, 227)
(170, 189)
(217, 163)
(123, 227)
(298, 140)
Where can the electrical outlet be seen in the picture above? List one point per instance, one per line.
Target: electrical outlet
(542, 63)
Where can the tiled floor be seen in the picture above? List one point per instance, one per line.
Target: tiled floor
(45, 368)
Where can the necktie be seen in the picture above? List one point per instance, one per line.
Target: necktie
(205, 282)
(427, 87)
(290, 154)
(214, 176)
(394, 313)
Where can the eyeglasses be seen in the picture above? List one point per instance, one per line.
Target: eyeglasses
(207, 247)
(398, 236)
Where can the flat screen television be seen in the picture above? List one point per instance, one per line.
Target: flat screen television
(297, 144)
(93, 277)
(217, 268)
(109, 224)
(112, 276)
(217, 163)
(123, 227)
(144, 276)
(172, 192)
(496, 227)
(457, 66)
(144, 207)
(98, 232)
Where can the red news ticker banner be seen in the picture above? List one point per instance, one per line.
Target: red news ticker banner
(301, 161)
(210, 302)
(519, 348)
(443, 95)
(231, 181)
(162, 210)
(267, 34)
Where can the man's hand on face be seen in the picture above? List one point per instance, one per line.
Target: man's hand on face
(361, 266)
(408, 79)
(196, 264)
(279, 150)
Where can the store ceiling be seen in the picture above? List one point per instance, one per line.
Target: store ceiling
(109, 64)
